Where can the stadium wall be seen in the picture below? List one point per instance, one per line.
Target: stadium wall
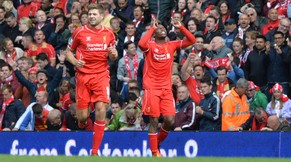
(188, 144)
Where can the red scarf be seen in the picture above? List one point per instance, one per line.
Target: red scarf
(9, 79)
(258, 126)
(225, 17)
(136, 22)
(12, 55)
(135, 66)
(41, 87)
(4, 105)
(222, 88)
(216, 62)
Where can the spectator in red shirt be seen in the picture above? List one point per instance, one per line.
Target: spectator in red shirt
(273, 21)
(27, 9)
(40, 46)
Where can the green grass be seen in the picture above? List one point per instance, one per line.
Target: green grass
(8, 158)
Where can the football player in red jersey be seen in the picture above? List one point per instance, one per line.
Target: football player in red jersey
(93, 44)
(157, 83)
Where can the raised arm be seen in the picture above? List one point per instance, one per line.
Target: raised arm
(184, 69)
(143, 42)
(190, 39)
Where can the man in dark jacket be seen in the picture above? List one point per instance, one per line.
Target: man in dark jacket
(257, 63)
(209, 108)
(278, 70)
(11, 109)
(185, 111)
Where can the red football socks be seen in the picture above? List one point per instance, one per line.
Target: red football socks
(153, 140)
(162, 135)
(98, 133)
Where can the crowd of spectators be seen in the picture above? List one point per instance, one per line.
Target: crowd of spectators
(236, 76)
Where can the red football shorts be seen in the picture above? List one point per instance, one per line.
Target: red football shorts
(156, 102)
(91, 88)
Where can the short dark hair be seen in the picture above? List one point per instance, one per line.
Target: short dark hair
(198, 66)
(83, 13)
(127, 44)
(44, 72)
(207, 80)
(9, 67)
(8, 87)
(129, 23)
(199, 36)
(138, 6)
(116, 101)
(261, 37)
(60, 16)
(42, 56)
(178, 12)
(222, 68)
(278, 32)
(37, 108)
(9, 14)
(130, 97)
(212, 17)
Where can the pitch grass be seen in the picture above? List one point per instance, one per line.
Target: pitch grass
(8, 158)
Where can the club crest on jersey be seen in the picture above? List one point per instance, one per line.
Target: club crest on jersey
(156, 50)
(148, 109)
(104, 39)
(88, 38)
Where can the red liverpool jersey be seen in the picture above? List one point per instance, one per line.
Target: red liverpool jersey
(91, 46)
(157, 73)
(44, 47)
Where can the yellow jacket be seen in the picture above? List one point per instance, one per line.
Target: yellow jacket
(235, 111)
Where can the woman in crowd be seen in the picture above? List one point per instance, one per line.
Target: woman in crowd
(193, 26)
(9, 51)
(280, 104)
(224, 10)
